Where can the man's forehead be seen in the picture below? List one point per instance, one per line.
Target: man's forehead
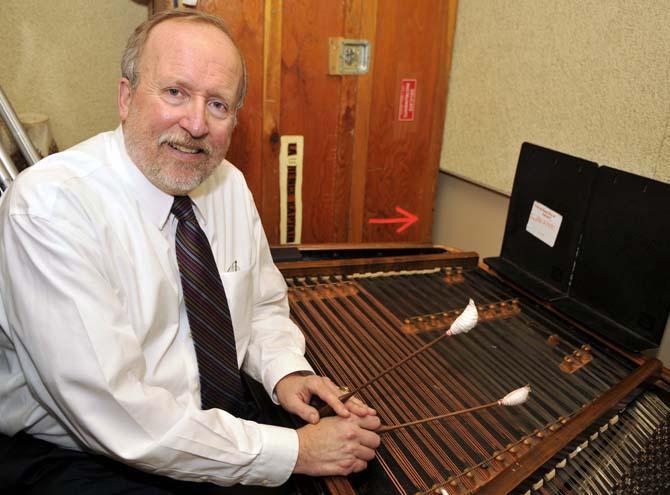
(177, 35)
(178, 31)
(176, 41)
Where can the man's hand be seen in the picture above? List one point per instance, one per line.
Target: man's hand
(337, 446)
(294, 392)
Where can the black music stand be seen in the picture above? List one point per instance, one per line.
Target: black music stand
(563, 184)
(621, 287)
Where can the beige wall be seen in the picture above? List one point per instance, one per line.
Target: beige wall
(586, 77)
(61, 57)
(469, 217)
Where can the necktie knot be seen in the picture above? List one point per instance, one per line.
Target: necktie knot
(183, 209)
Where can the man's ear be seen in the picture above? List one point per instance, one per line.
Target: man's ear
(125, 95)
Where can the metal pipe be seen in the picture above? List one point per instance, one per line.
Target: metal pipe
(14, 125)
(8, 170)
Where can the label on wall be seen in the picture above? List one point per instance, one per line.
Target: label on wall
(544, 223)
(407, 99)
(290, 189)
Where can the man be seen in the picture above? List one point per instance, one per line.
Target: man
(99, 351)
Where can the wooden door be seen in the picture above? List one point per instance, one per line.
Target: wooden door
(371, 141)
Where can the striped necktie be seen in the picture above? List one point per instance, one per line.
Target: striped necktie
(208, 314)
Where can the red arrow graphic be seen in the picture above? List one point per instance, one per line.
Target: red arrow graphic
(408, 219)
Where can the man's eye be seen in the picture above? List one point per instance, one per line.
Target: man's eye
(173, 92)
(219, 108)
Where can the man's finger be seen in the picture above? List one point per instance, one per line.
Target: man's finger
(329, 393)
(359, 466)
(359, 408)
(305, 411)
(365, 453)
(369, 422)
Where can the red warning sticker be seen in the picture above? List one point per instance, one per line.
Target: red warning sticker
(407, 99)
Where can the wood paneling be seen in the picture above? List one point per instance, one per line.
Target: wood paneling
(270, 138)
(360, 162)
(310, 106)
(411, 43)
(367, 25)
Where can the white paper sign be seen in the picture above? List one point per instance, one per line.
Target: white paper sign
(544, 223)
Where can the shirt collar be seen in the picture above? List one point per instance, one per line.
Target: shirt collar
(198, 201)
(153, 202)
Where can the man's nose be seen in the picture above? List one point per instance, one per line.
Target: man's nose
(195, 119)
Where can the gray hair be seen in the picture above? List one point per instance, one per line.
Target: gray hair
(138, 39)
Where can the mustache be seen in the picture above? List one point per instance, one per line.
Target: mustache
(186, 142)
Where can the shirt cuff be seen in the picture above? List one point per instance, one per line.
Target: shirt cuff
(279, 368)
(278, 456)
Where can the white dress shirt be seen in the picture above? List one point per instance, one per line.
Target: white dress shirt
(95, 349)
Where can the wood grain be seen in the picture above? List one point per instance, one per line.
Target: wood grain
(158, 5)
(403, 156)
(269, 139)
(387, 263)
(347, 118)
(310, 106)
(368, 31)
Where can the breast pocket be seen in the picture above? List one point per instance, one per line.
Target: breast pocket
(240, 294)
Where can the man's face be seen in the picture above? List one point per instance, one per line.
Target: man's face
(178, 121)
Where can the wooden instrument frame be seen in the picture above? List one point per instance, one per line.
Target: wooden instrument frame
(523, 465)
